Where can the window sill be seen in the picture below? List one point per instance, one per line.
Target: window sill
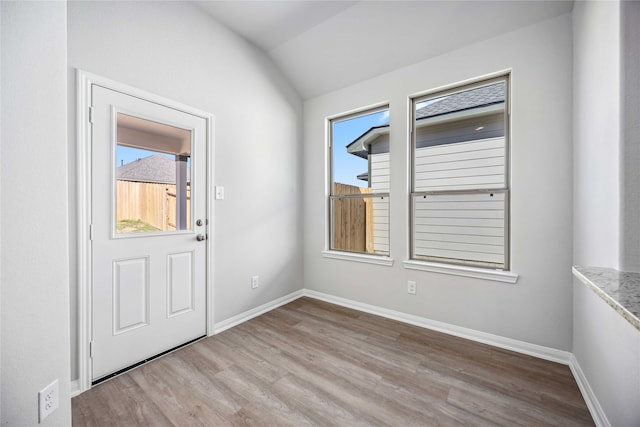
(458, 270)
(368, 259)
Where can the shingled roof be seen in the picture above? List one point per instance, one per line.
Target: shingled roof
(157, 168)
(465, 100)
(361, 151)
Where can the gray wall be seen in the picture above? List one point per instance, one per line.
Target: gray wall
(606, 201)
(34, 215)
(538, 308)
(607, 348)
(176, 51)
(630, 138)
(596, 132)
(1, 85)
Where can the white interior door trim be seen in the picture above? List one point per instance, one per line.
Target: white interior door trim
(84, 81)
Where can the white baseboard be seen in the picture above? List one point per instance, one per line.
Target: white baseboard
(75, 388)
(255, 312)
(597, 413)
(535, 350)
(551, 354)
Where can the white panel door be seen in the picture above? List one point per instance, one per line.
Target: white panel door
(148, 208)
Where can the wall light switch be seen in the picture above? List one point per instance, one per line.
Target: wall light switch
(219, 192)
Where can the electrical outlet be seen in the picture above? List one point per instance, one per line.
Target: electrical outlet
(411, 287)
(47, 400)
(254, 282)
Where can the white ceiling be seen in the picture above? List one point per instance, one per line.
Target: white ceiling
(322, 46)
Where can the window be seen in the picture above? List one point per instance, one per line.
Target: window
(359, 183)
(152, 176)
(460, 176)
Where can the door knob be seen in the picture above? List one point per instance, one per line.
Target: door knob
(201, 237)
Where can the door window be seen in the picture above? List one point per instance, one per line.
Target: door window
(152, 176)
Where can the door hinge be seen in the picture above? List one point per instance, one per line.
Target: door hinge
(91, 349)
(91, 232)
(90, 114)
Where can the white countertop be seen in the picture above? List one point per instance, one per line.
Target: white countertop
(619, 289)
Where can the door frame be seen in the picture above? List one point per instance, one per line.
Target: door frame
(84, 81)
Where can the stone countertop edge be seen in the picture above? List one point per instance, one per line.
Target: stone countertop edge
(619, 289)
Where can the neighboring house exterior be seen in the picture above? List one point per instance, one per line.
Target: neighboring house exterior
(157, 168)
(459, 146)
(373, 145)
(146, 190)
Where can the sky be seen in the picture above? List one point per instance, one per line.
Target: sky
(126, 155)
(346, 167)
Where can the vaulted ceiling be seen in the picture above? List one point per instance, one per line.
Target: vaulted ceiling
(322, 46)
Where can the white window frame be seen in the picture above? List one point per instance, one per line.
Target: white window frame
(453, 266)
(364, 257)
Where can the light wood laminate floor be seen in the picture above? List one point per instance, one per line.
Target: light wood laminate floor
(314, 363)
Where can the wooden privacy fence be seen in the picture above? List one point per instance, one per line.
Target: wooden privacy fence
(149, 202)
(352, 220)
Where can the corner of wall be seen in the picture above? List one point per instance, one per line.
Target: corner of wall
(597, 147)
(34, 223)
(630, 135)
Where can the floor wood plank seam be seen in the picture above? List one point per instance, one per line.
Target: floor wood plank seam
(310, 362)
